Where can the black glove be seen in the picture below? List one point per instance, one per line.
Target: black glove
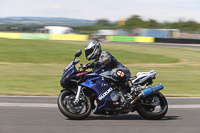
(89, 65)
(92, 64)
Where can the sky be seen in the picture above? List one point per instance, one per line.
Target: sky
(112, 10)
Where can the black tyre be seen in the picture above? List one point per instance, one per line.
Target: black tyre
(73, 111)
(155, 107)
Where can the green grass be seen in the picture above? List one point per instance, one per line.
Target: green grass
(34, 67)
(30, 79)
(29, 51)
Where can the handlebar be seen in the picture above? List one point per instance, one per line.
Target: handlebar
(85, 67)
(82, 67)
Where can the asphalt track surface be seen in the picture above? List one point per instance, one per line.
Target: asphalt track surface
(176, 45)
(192, 46)
(40, 115)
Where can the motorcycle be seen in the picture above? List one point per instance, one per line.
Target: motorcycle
(85, 91)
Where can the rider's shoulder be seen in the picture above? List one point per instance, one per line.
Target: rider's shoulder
(105, 52)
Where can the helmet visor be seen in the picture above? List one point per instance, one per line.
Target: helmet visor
(88, 53)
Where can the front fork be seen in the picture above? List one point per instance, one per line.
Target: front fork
(78, 95)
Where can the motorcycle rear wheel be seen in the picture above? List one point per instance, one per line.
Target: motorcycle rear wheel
(148, 112)
(72, 111)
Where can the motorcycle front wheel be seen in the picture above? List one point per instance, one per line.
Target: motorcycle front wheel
(72, 110)
(153, 107)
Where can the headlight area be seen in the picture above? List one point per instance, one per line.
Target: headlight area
(66, 75)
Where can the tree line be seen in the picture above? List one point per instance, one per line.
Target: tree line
(136, 21)
(130, 23)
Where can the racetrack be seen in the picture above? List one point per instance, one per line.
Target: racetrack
(40, 115)
(176, 45)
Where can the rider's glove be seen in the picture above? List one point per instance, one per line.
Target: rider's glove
(89, 65)
(92, 64)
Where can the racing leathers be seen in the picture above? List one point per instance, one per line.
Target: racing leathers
(119, 71)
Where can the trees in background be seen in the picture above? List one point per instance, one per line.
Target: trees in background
(136, 21)
(130, 23)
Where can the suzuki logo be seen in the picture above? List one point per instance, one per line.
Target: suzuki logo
(105, 93)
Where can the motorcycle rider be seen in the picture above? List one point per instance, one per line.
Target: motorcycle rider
(93, 51)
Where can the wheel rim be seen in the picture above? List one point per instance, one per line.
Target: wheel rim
(80, 108)
(154, 104)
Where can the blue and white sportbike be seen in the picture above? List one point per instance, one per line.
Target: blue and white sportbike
(85, 91)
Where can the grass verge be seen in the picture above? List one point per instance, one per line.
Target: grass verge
(34, 67)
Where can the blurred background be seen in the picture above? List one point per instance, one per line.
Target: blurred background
(38, 40)
(169, 19)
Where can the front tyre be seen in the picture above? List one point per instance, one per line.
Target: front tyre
(154, 107)
(71, 110)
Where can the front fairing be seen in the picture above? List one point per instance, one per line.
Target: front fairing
(94, 81)
(103, 89)
(68, 71)
(73, 63)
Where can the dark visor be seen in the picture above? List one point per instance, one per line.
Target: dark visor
(88, 51)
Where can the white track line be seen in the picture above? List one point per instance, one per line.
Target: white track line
(6, 96)
(183, 98)
(185, 106)
(10, 96)
(39, 105)
(45, 105)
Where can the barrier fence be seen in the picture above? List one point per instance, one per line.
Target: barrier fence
(131, 39)
(72, 37)
(10, 35)
(77, 37)
(33, 36)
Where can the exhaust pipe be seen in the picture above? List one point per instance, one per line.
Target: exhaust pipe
(148, 91)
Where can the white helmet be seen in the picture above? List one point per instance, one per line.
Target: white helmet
(92, 50)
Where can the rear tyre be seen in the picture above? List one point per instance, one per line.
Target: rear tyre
(157, 108)
(71, 110)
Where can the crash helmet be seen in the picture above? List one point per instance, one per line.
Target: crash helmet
(92, 50)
